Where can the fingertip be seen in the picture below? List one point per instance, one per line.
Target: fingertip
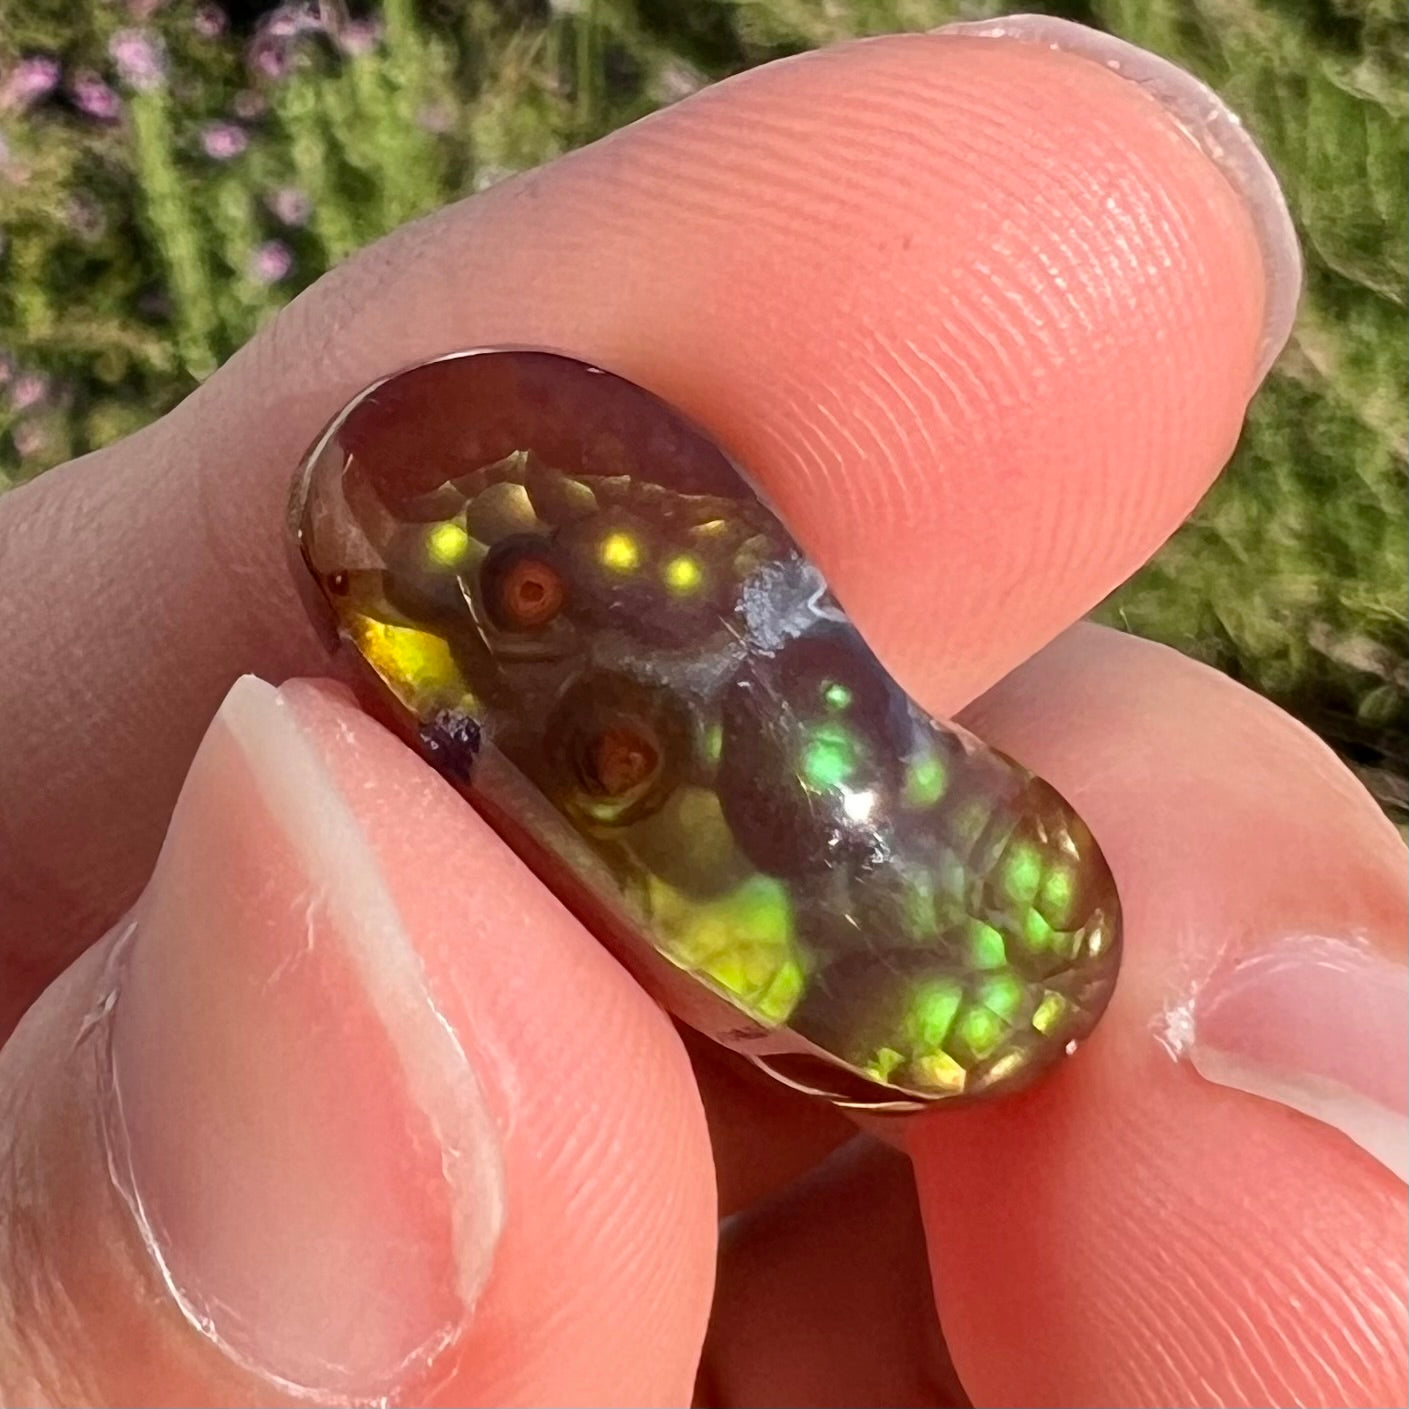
(601, 1281)
(992, 342)
(380, 1121)
(979, 316)
(1215, 129)
(281, 1082)
(1148, 1236)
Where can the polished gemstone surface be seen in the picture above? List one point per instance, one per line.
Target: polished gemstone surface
(576, 607)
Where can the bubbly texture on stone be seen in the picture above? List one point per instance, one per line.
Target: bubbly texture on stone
(577, 608)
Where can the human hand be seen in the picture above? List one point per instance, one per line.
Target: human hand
(984, 320)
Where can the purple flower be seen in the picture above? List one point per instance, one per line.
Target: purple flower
(436, 117)
(271, 51)
(7, 368)
(143, 9)
(290, 206)
(290, 20)
(271, 262)
(210, 21)
(29, 439)
(223, 140)
(28, 390)
(140, 58)
(358, 36)
(249, 105)
(92, 96)
(269, 56)
(29, 81)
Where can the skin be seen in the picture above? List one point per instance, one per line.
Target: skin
(961, 444)
(526, 662)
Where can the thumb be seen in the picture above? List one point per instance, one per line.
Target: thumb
(311, 1121)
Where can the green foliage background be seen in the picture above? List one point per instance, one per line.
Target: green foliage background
(140, 249)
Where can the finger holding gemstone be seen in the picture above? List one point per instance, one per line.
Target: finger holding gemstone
(579, 609)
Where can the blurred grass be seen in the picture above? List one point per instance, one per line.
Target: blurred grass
(171, 173)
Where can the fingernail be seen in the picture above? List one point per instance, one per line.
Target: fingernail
(1211, 124)
(304, 1145)
(1319, 1025)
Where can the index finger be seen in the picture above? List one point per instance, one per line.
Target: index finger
(982, 316)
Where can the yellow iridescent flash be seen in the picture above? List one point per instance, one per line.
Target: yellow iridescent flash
(620, 552)
(416, 665)
(683, 574)
(447, 544)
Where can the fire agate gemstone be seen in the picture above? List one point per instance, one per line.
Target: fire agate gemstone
(579, 609)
